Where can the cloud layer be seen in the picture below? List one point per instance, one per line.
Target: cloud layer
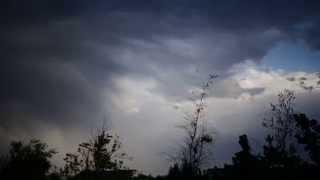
(68, 66)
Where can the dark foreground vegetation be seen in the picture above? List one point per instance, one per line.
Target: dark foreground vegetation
(291, 151)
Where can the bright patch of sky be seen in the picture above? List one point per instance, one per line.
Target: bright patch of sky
(293, 56)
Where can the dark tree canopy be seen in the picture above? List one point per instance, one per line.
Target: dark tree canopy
(309, 136)
(28, 161)
(244, 159)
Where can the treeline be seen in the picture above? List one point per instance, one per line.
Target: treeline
(98, 158)
(275, 162)
(291, 151)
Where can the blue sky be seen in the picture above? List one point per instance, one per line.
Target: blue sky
(293, 56)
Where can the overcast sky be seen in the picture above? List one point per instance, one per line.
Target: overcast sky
(68, 67)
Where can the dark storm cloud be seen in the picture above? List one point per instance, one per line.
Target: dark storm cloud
(243, 14)
(50, 68)
(59, 58)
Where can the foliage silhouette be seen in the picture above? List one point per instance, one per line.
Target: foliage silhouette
(280, 147)
(280, 159)
(27, 161)
(281, 122)
(101, 155)
(194, 151)
(244, 159)
(309, 135)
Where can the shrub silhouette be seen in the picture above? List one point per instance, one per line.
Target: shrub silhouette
(244, 159)
(27, 161)
(100, 157)
(309, 135)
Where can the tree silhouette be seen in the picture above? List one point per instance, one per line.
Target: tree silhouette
(244, 159)
(195, 148)
(309, 135)
(280, 150)
(28, 161)
(100, 153)
(281, 122)
(174, 172)
(73, 165)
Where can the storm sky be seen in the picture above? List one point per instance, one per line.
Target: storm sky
(69, 66)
